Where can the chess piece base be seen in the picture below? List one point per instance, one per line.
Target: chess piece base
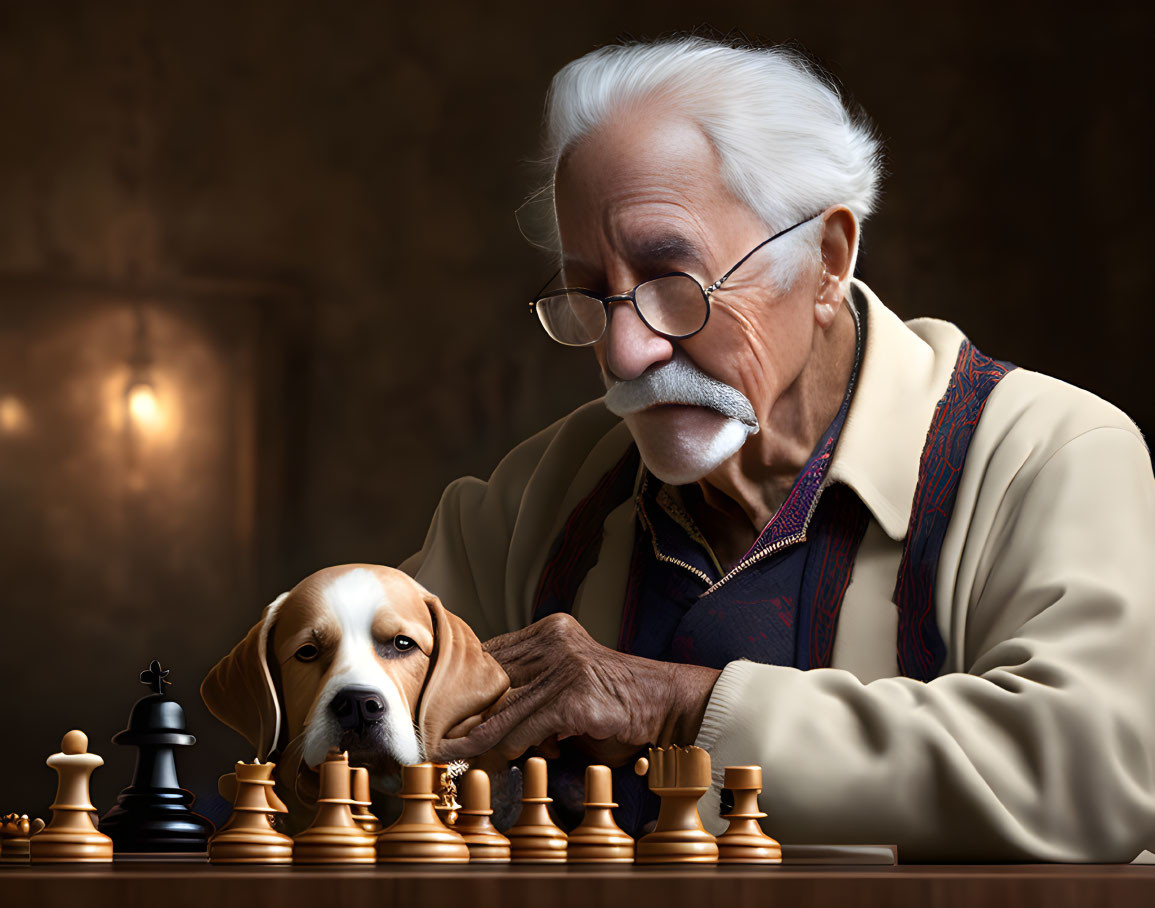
(161, 857)
(155, 820)
(730, 853)
(600, 845)
(743, 844)
(68, 848)
(677, 846)
(486, 845)
(14, 851)
(333, 845)
(417, 842)
(250, 847)
(538, 845)
(425, 848)
(485, 853)
(600, 854)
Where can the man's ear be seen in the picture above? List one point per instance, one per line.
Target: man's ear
(463, 680)
(240, 690)
(839, 250)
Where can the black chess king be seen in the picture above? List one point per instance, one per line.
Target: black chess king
(152, 815)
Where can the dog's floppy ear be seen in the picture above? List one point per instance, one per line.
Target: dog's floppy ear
(463, 680)
(240, 691)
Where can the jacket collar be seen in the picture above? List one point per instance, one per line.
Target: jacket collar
(905, 370)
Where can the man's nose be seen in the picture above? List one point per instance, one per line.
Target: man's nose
(630, 346)
(357, 708)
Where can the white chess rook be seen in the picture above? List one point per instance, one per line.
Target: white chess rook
(248, 837)
(679, 776)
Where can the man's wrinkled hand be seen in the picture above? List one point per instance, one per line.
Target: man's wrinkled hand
(564, 684)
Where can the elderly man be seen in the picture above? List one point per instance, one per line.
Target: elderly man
(911, 582)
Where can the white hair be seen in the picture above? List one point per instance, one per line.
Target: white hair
(789, 148)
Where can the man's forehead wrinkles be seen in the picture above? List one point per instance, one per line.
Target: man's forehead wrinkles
(651, 249)
(645, 227)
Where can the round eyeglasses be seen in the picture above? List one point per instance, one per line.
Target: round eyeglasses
(674, 305)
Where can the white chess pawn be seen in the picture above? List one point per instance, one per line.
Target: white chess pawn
(419, 835)
(334, 836)
(535, 838)
(72, 835)
(486, 844)
(599, 840)
(744, 842)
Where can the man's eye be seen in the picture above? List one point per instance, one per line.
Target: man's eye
(306, 653)
(402, 643)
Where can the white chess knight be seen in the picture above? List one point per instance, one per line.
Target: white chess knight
(360, 658)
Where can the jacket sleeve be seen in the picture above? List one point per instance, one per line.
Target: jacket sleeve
(1043, 748)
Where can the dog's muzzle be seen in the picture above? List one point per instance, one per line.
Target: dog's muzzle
(358, 709)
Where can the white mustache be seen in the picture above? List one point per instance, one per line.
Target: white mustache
(679, 381)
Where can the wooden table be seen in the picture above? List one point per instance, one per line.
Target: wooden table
(162, 885)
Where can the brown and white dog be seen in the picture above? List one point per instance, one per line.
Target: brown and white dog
(359, 657)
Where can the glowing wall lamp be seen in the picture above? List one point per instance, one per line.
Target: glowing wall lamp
(13, 415)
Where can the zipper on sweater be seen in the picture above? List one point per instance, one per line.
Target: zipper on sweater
(658, 553)
(800, 536)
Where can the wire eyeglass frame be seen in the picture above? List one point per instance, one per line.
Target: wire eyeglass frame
(631, 295)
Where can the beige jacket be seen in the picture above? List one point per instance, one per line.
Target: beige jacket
(1036, 742)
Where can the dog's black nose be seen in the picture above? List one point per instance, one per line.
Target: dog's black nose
(356, 708)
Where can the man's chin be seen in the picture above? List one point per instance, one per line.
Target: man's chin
(681, 444)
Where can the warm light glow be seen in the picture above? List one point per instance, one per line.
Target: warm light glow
(143, 407)
(13, 415)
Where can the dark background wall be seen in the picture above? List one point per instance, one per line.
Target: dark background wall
(311, 209)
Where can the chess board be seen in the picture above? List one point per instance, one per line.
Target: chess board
(129, 885)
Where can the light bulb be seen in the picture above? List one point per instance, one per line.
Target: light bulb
(13, 415)
(143, 407)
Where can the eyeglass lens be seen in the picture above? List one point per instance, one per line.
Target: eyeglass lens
(673, 305)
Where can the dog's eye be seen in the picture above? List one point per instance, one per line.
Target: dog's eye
(306, 653)
(403, 643)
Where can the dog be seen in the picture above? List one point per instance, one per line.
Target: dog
(357, 657)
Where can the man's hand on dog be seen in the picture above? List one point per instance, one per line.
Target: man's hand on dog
(565, 684)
